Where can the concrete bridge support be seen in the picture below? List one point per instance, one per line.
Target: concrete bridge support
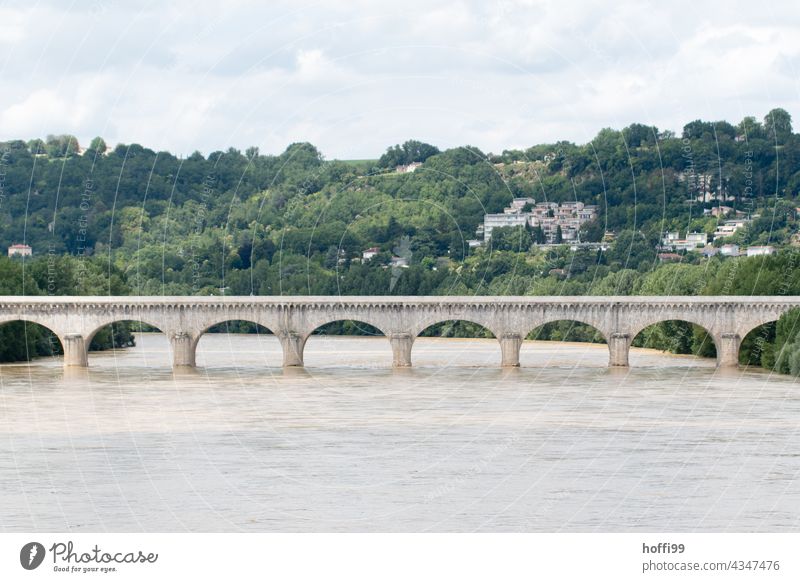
(401, 349)
(619, 346)
(728, 350)
(293, 344)
(510, 344)
(76, 352)
(184, 349)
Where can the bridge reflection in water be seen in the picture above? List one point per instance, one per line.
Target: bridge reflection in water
(76, 320)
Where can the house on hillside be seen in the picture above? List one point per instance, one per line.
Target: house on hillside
(728, 227)
(370, 253)
(17, 250)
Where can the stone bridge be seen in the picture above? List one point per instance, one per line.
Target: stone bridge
(75, 320)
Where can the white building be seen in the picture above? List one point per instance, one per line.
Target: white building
(728, 227)
(698, 238)
(517, 204)
(692, 241)
(370, 253)
(758, 251)
(729, 250)
(20, 251)
(492, 221)
(549, 216)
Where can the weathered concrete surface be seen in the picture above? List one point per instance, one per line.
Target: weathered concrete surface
(75, 320)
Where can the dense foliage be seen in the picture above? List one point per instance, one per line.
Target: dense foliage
(245, 223)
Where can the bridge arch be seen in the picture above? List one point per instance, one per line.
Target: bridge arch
(54, 342)
(680, 336)
(763, 344)
(587, 322)
(565, 329)
(98, 326)
(649, 320)
(106, 323)
(757, 345)
(317, 319)
(344, 327)
(465, 328)
(231, 326)
(43, 321)
(484, 321)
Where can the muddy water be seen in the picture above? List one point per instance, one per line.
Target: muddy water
(348, 444)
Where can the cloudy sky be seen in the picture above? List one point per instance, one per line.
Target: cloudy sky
(353, 77)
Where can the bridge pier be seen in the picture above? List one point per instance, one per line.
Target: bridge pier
(292, 344)
(183, 350)
(619, 346)
(510, 344)
(728, 350)
(76, 352)
(401, 349)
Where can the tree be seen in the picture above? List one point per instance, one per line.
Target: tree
(36, 147)
(750, 128)
(592, 231)
(511, 238)
(637, 135)
(410, 152)
(698, 129)
(632, 250)
(778, 125)
(98, 145)
(559, 235)
(62, 146)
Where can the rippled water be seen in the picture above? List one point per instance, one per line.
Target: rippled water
(348, 444)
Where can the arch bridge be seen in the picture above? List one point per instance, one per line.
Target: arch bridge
(75, 320)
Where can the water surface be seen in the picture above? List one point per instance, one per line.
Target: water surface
(348, 444)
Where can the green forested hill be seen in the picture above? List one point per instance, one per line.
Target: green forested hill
(237, 222)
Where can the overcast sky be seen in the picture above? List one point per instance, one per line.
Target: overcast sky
(354, 77)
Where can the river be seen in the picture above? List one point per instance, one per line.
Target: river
(348, 444)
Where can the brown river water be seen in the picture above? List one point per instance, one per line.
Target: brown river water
(348, 444)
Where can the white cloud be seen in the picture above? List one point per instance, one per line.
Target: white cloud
(12, 27)
(355, 77)
(41, 108)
